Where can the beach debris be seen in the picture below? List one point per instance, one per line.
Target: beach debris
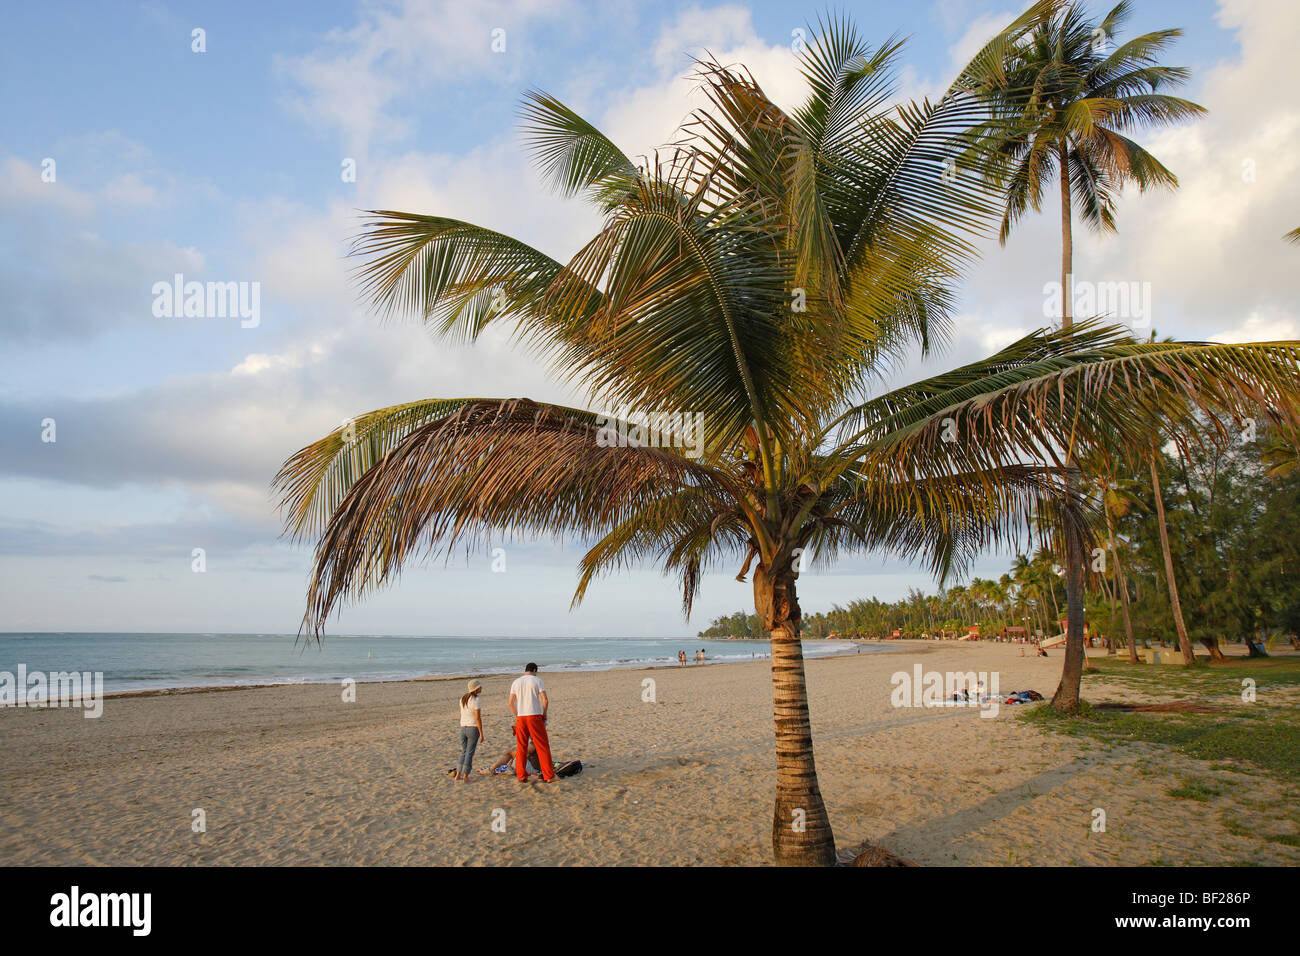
(870, 854)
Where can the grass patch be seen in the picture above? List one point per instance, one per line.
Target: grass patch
(1268, 738)
(1194, 790)
(1199, 678)
(1234, 826)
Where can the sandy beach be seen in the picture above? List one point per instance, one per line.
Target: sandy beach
(293, 775)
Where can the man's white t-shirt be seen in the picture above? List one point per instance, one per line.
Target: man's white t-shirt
(528, 695)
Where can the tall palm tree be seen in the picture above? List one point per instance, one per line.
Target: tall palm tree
(1064, 104)
(1066, 100)
(683, 303)
(1175, 605)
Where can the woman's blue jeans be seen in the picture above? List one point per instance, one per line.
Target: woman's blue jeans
(468, 744)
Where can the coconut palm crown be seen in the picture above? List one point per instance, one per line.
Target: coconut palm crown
(1068, 100)
(763, 272)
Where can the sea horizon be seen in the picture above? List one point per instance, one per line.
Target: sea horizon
(165, 660)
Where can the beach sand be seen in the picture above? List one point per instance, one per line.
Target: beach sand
(293, 775)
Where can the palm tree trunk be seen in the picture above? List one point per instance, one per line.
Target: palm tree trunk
(1066, 698)
(1183, 643)
(1211, 644)
(1067, 240)
(801, 829)
(1121, 585)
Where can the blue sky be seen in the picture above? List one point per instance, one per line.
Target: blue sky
(225, 165)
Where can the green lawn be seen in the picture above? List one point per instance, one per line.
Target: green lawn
(1264, 735)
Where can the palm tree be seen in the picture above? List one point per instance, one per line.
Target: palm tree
(1175, 605)
(1116, 503)
(1064, 103)
(683, 302)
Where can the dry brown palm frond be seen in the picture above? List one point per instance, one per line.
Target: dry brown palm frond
(492, 468)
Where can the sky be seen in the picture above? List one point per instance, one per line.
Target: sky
(129, 156)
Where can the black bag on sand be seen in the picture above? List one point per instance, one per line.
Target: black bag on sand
(570, 768)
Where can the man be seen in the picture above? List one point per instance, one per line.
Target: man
(529, 704)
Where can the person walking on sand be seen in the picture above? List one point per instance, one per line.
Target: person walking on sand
(529, 704)
(471, 729)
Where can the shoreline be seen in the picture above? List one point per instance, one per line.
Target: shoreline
(434, 678)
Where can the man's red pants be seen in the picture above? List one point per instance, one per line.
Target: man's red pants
(534, 727)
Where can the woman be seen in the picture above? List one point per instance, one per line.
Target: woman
(471, 729)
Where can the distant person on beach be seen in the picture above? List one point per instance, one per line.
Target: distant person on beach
(529, 704)
(471, 729)
(702, 655)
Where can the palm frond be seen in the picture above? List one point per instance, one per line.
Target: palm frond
(1056, 395)
(490, 468)
(573, 155)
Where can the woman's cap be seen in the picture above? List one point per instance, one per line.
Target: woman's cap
(474, 685)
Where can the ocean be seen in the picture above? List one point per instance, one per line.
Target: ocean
(155, 661)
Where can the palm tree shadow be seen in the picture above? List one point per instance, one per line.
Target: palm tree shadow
(991, 808)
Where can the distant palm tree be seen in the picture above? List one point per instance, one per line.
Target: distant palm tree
(1068, 96)
(1175, 604)
(1116, 501)
(759, 275)
(1063, 106)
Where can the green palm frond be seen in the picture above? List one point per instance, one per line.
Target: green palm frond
(1058, 395)
(684, 532)
(572, 155)
(455, 275)
(948, 520)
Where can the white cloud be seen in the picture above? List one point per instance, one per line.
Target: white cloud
(129, 190)
(21, 186)
(643, 119)
(355, 83)
(1271, 327)
(979, 32)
